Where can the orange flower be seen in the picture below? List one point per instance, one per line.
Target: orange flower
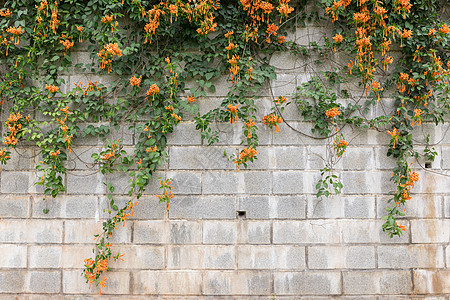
(432, 31)
(406, 34)
(338, 38)
(234, 112)
(51, 89)
(332, 112)
(67, 44)
(281, 39)
(5, 13)
(444, 29)
(154, 89)
(107, 19)
(135, 81)
(191, 99)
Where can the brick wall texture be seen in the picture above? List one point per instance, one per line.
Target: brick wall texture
(259, 233)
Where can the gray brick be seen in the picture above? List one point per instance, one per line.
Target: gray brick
(12, 256)
(265, 207)
(139, 257)
(413, 256)
(431, 183)
(195, 158)
(185, 232)
(307, 283)
(222, 182)
(350, 257)
(148, 207)
(361, 182)
(184, 134)
(358, 159)
(12, 206)
(85, 183)
(220, 232)
(118, 283)
(73, 256)
(420, 206)
(255, 207)
(83, 231)
(21, 159)
(430, 231)
(448, 256)
(211, 207)
(341, 207)
(45, 256)
(44, 282)
(168, 282)
(151, 232)
(31, 231)
(376, 282)
(296, 232)
(255, 232)
(219, 257)
(12, 281)
(186, 182)
(120, 181)
(286, 136)
(81, 158)
(287, 182)
(284, 85)
(237, 182)
(271, 257)
(16, 182)
(240, 282)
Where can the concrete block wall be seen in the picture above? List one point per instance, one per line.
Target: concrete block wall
(259, 233)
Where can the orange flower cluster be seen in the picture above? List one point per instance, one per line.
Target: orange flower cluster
(5, 13)
(394, 134)
(92, 87)
(234, 68)
(108, 19)
(233, 109)
(191, 99)
(444, 29)
(14, 127)
(4, 156)
(107, 55)
(63, 127)
(66, 42)
(111, 154)
(80, 29)
(332, 113)
(152, 91)
(284, 9)
(51, 89)
(340, 146)
(280, 100)
(247, 154)
(15, 32)
(135, 81)
(417, 119)
(176, 117)
(272, 120)
(249, 125)
(97, 269)
(271, 30)
(338, 38)
(54, 22)
(166, 195)
(150, 149)
(404, 193)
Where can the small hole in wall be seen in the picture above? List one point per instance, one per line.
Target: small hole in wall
(241, 214)
(428, 165)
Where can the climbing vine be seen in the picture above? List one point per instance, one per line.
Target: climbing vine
(161, 56)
